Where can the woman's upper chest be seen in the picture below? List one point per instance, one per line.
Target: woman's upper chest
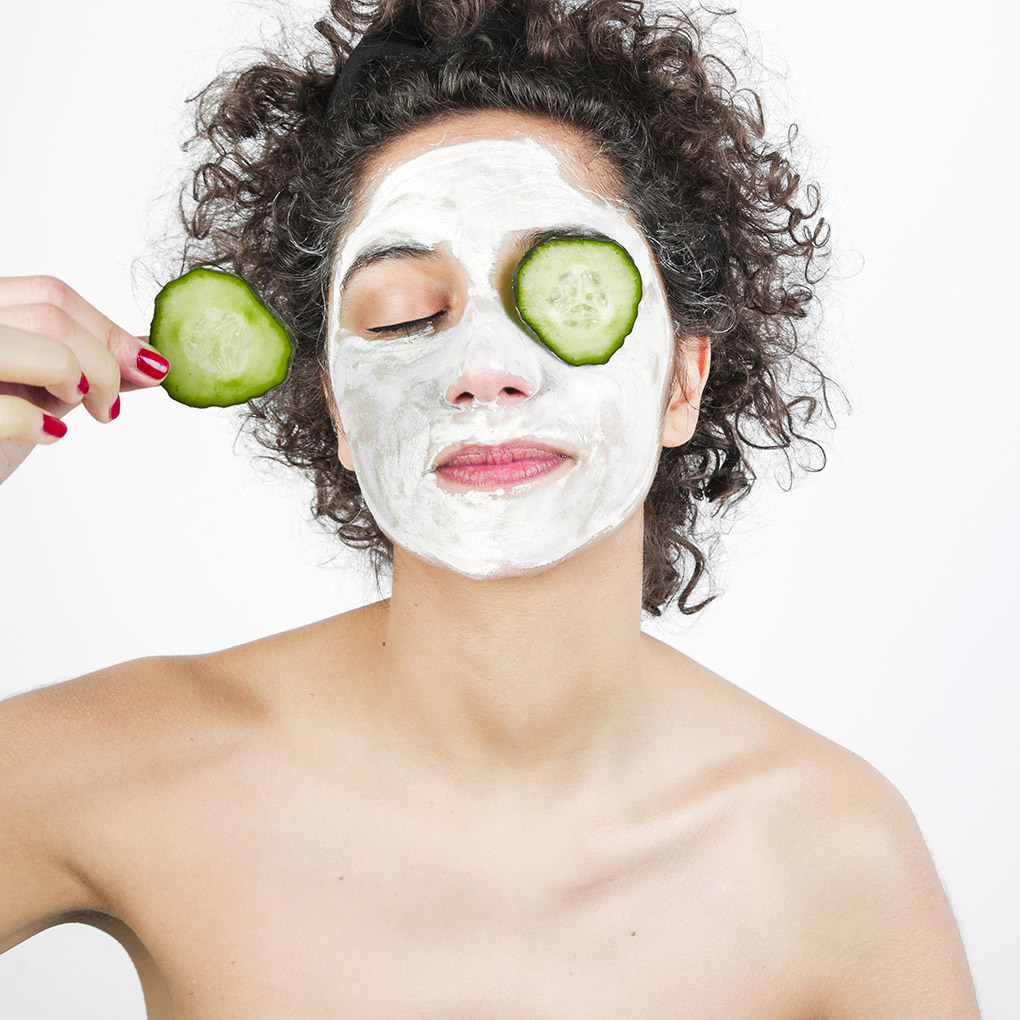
(260, 891)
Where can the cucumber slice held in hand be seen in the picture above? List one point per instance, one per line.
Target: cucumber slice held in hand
(223, 344)
(580, 296)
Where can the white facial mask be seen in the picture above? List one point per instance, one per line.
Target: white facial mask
(391, 393)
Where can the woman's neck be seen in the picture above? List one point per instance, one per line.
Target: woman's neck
(527, 687)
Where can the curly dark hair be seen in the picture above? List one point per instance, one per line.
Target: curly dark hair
(722, 211)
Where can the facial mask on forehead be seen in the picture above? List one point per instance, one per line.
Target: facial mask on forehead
(398, 397)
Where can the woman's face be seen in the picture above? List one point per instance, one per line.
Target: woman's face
(443, 221)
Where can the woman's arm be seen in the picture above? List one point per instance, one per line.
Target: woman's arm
(39, 885)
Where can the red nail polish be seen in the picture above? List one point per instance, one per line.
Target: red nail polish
(152, 364)
(83, 386)
(115, 410)
(53, 426)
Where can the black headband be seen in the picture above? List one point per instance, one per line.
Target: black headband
(408, 36)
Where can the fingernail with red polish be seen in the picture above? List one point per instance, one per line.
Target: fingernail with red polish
(83, 386)
(115, 410)
(152, 364)
(53, 426)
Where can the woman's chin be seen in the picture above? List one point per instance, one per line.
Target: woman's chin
(492, 569)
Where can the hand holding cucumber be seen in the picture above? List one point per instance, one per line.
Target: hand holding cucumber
(58, 351)
(50, 338)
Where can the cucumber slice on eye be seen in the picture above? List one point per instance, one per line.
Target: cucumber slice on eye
(580, 296)
(223, 344)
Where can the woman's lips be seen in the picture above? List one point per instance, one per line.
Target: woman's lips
(495, 467)
(498, 476)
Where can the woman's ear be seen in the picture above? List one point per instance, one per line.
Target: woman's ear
(343, 447)
(681, 416)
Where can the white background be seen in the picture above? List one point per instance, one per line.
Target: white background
(874, 603)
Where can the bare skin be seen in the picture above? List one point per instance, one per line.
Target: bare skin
(223, 818)
(488, 800)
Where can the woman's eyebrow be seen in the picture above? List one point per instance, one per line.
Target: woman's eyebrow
(381, 252)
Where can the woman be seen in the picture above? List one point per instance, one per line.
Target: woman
(492, 779)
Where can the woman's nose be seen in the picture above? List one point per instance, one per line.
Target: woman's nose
(488, 385)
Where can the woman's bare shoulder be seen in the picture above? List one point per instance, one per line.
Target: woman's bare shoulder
(806, 784)
(140, 703)
(136, 720)
(43, 719)
(842, 851)
(333, 644)
(839, 858)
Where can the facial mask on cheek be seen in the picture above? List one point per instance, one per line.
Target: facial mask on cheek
(393, 395)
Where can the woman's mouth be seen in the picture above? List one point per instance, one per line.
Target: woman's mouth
(496, 467)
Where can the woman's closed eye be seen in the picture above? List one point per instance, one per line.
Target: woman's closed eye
(407, 328)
